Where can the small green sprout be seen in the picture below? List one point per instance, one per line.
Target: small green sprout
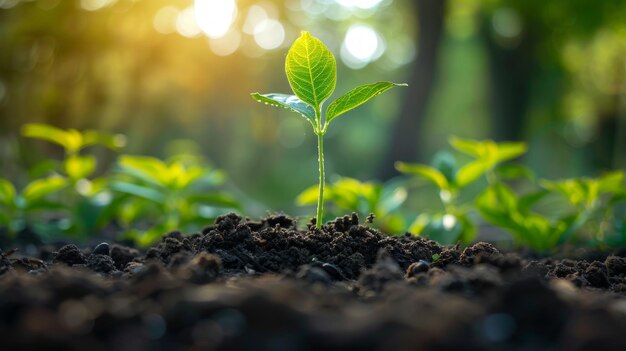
(312, 74)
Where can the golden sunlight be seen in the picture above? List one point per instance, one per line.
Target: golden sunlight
(215, 16)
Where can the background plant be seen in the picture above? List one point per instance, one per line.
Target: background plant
(345, 195)
(312, 74)
(68, 190)
(155, 196)
(454, 223)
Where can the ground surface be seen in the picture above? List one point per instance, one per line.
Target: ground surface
(243, 285)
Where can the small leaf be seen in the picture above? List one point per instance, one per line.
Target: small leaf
(470, 147)
(69, 140)
(7, 193)
(287, 101)
(78, 167)
(40, 188)
(429, 173)
(111, 141)
(148, 169)
(356, 97)
(139, 191)
(471, 172)
(311, 70)
(510, 150)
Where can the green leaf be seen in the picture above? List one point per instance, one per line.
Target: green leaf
(471, 172)
(139, 191)
(470, 147)
(148, 169)
(289, 102)
(427, 172)
(111, 141)
(78, 167)
(509, 150)
(41, 188)
(311, 70)
(71, 140)
(356, 97)
(7, 193)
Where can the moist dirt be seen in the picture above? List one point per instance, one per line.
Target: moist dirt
(265, 285)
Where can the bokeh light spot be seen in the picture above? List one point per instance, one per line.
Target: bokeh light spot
(95, 5)
(227, 44)
(361, 45)
(256, 15)
(362, 4)
(186, 23)
(269, 34)
(165, 20)
(215, 16)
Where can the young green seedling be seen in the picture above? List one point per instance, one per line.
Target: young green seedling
(312, 74)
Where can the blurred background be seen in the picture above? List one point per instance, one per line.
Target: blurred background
(551, 73)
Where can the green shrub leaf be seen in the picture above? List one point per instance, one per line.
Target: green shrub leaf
(356, 97)
(426, 172)
(40, 188)
(71, 140)
(7, 193)
(311, 70)
(291, 102)
(78, 167)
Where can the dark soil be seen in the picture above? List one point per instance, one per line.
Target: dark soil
(245, 285)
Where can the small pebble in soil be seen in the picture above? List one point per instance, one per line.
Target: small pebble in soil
(415, 268)
(102, 249)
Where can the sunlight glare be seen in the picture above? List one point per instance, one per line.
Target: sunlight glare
(269, 34)
(94, 5)
(362, 4)
(227, 44)
(256, 15)
(215, 16)
(186, 23)
(361, 46)
(165, 20)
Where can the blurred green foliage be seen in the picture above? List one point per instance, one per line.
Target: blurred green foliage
(140, 200)
(140, 67)
(590, 219)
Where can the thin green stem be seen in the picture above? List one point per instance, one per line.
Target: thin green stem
(320, 153)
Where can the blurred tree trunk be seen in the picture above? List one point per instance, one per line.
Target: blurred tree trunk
(405, 135)
(510, 72)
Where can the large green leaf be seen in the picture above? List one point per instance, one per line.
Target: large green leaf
(7, 193)
(357, 97)
(311, 70)
(427, 172)
(291, 102)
